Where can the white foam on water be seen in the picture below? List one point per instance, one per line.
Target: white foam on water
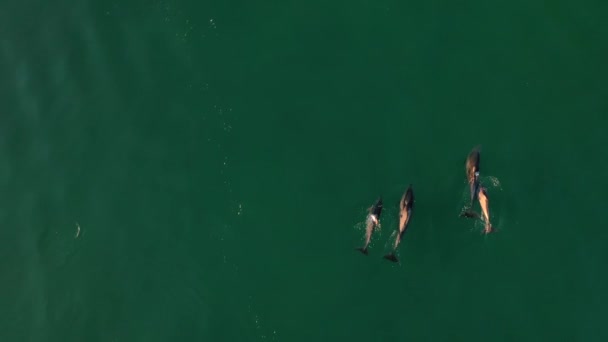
(493, 181)
(261, 331)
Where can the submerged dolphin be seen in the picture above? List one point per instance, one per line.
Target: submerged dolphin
(405, 213)
(469, 214)
(373, 221)
(472, 170)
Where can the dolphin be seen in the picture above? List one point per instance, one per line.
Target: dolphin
(485, 210)
(373, 221)
(405, 213)
(472, 170)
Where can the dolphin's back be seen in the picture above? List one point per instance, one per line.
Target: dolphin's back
(472, 163)
(377, 208)
(407, 201)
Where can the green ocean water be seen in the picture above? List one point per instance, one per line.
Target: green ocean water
(200, 171)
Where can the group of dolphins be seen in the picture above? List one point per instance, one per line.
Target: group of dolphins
(406, 204)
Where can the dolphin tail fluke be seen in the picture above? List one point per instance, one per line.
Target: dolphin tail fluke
(362, 250)
(391, 257)
(488, 229)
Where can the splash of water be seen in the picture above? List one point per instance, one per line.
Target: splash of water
(494, 182)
